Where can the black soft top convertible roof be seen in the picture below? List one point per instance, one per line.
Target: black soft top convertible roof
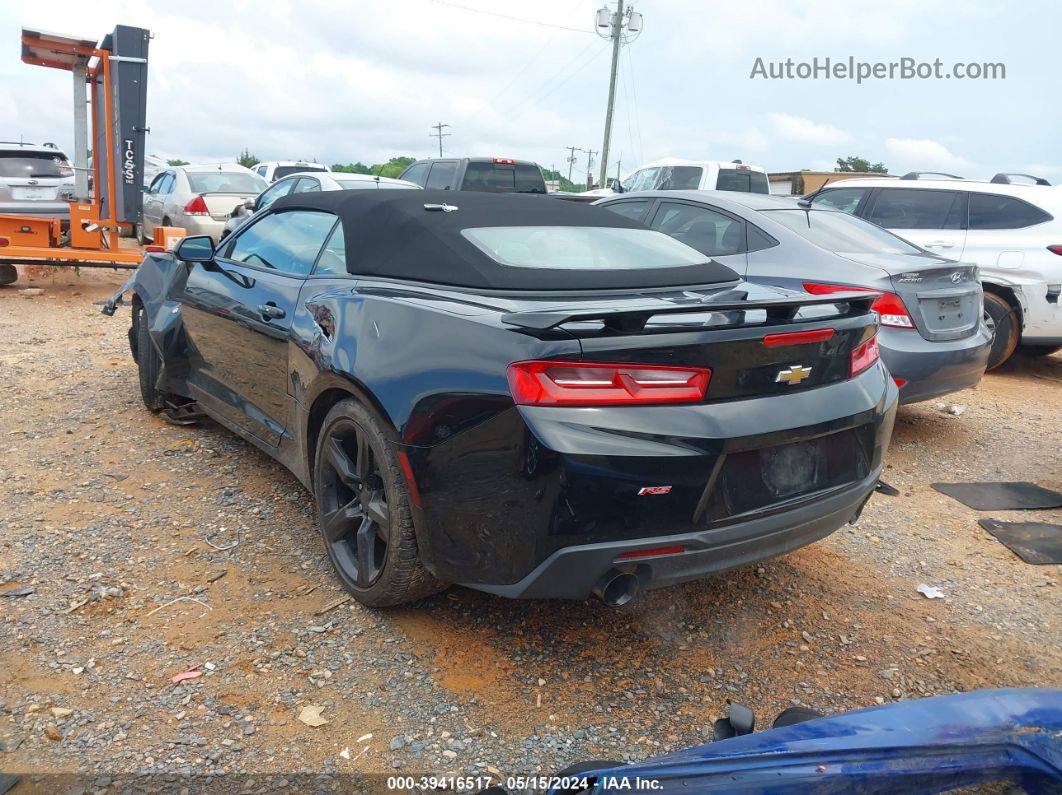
(391, 233)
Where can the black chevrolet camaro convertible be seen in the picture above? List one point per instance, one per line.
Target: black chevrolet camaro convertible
(529, 397)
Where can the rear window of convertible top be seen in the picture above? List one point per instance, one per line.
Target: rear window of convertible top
(581, 247)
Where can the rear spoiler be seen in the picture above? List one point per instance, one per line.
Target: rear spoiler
(634, 318)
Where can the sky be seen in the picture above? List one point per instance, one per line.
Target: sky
(346, 81)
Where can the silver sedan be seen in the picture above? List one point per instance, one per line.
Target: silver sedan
(199, 199)
(933, 336)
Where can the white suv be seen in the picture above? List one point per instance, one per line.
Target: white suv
(279, 169)
(1012, 231)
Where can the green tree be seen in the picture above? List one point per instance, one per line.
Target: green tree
(352, 168)
(247, 160)
(564, 183)
(860, 164)
(176, 162)
(393, 167)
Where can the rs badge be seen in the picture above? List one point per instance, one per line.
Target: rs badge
(792, 375)
(646, 490)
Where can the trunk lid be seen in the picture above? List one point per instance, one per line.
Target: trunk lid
(943, 297)
(722, 331)
(221, 205)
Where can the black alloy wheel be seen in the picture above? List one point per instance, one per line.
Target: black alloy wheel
(355, 518)
(364, 511)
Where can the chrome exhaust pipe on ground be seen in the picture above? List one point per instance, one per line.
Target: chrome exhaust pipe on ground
(617, 587)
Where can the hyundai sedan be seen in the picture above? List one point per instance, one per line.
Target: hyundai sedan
(933, 336)
(531, 398)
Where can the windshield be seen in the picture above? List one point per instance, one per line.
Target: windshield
(225, 182)
(840, 232)
(34, 164)
(282, 171)
(582, 247)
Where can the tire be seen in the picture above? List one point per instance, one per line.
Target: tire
(1007, 330)
(8, 274)
(148, 363)
(363, 510)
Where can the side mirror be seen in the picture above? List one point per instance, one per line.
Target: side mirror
(618, 186)
(199, 248)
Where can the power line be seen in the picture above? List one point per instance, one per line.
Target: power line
(511, 19)
(523, 68)
(542, 96)
(439, 134)
(514, 102)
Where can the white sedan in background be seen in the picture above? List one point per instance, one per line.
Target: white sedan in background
(311, 182)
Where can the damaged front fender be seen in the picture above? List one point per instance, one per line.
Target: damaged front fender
(111, 304)
(156, 284)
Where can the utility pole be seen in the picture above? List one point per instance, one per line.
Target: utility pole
(619, 24)
(571, 159)
(439, 134)
(589, 168)
(618, 164)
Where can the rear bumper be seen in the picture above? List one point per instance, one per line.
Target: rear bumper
(45, 209)
(572, 572)
(197, 225)
(539, 501)
(932, 369)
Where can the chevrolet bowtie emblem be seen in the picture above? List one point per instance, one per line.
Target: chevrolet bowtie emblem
(792, 375)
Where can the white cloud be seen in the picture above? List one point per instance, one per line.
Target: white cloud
(345, 81)
(800, 130)
(923, 154)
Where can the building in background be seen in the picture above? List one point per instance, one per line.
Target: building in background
(801, 183)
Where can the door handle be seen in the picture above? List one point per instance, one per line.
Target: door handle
(940, 244)
(271, 311)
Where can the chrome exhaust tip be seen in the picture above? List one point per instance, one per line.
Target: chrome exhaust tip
(617, 587)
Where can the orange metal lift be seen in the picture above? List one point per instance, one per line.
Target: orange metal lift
(92, 240)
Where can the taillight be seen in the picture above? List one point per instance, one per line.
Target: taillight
(196, 207)
(504, 161)
(890, 307)
(1056, 249)
(863, 356)
(549, 383)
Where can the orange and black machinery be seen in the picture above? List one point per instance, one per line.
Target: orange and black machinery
(110, 79)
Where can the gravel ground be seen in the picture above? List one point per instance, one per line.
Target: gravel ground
(111, 514)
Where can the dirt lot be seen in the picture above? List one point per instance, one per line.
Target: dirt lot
(109, 514)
